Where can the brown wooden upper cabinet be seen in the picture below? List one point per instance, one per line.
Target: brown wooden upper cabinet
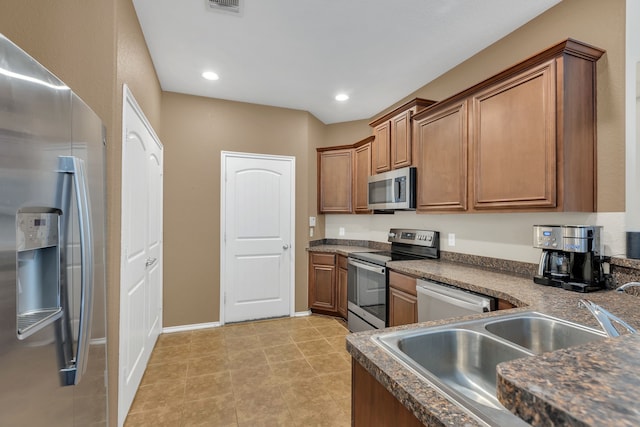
(524, 139)
(441, 144)
(392, 147)
(343, 174)
(514, 142)
(335, 181)
(362, 160)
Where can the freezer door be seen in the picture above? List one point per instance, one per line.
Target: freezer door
(34, 132)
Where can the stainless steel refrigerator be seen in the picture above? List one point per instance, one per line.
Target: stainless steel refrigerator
(52, 250)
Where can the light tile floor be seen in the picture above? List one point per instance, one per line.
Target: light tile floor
(282, 372)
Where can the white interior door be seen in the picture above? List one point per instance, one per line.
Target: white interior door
(141, 257)
(257, 236)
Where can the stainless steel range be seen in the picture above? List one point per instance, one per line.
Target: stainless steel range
(367, 281)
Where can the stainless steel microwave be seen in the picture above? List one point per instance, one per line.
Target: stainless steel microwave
(393, 190)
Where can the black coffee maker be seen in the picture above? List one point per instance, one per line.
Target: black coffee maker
(572, 257)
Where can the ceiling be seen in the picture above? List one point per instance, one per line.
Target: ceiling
(300, 53)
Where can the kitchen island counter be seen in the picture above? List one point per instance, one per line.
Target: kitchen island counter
(523, 381)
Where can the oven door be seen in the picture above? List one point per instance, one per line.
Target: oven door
(367, 296)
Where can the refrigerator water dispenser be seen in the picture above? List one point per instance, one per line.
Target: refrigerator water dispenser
(38, 275)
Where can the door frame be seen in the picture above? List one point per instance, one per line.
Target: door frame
(124, 404)
(223, 223)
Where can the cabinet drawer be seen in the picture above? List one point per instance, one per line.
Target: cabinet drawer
(323, 259)
(403, 282)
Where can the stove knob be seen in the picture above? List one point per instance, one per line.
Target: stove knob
(392, 235)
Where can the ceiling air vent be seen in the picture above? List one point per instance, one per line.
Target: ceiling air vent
(225, 5)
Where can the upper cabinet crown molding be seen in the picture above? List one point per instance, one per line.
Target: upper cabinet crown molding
(416, 104)
(569, 47)
(392, 147)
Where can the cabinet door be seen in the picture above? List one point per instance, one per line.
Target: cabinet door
(342, 286)
(322, 283)
(441, 145)
(513, 137)
(382, 148)
(373, 405)
(362, 159)
(403, 308)
(403, 303)
(401, 140)
(335, 181)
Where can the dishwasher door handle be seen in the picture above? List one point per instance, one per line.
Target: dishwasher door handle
(478, 306)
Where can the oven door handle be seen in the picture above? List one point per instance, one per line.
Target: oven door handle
(373, 268)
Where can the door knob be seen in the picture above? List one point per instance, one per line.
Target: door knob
(285, 246)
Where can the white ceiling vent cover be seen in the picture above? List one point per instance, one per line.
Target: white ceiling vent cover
(225, 5)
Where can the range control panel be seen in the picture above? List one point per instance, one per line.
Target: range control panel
(414, 237)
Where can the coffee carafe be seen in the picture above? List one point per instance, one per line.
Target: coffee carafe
(571, 257)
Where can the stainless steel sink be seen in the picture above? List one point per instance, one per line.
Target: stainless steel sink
(460, 359)
(542, 334)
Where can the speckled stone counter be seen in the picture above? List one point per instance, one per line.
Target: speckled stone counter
(339, 249)
(590, 385)
(433, 409)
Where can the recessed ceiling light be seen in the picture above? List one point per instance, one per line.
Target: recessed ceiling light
(210, 75)
(342, 97)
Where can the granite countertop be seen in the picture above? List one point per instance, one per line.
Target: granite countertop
(340, 249)
(585, 384)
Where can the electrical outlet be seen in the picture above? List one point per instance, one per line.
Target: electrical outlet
(341, 231)
(452, 239)
(312, 221)
(310, 231)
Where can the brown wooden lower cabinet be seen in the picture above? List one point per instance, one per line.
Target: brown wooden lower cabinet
(504, 304)
(403, 301)
(322, 283)
(373, 405)
(342, 286)
(328, 284)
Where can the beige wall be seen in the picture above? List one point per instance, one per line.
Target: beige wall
(194, 131)
(346, 133)
(600, 23)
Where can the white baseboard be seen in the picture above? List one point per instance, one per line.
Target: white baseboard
(197, 326)
(186, 328)
(302, 313)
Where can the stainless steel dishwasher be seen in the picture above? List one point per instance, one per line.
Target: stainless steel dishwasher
(437, 301)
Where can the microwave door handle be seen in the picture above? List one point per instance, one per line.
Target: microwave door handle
(398, 185)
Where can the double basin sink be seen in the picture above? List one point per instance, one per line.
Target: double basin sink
(460, 359)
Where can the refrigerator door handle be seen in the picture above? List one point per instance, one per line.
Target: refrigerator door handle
(75, 166)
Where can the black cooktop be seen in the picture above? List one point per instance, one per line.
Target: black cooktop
(381, 257)
(406, 245)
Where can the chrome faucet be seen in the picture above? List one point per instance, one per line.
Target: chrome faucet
(605, 318)
(627, 285)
